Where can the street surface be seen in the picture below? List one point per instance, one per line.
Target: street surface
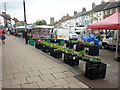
(23, 66)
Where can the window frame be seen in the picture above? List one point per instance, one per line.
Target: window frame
(117, 9)
(106, 12)
(111, 11)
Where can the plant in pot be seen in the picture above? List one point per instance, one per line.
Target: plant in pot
(55, 46)
(95, 61)
(82, 53)
(79, 42)
(79, 56)
(86, 58)
(74, 53)
(59, 48)
(87, 44)
(73, 41)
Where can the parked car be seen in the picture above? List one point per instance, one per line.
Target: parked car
(73, 36)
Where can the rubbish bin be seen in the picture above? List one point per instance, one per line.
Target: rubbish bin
(31, 42)
(29, 37)
(19, 35)
(61, 42)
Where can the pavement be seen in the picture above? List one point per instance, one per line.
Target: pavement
(24, 66)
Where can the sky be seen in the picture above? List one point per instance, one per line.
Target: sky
(44, 9)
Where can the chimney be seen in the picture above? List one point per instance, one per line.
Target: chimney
(102, 2)
(111, 0)
(67, 16)
(93, 5)
(3, 13)
(84, 10)
(75, 12)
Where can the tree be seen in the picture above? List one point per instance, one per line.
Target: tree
(44, 22)
(50, 25)
(39, 22)
(92, 16)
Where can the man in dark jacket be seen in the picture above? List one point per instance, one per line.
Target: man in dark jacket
(26, 37)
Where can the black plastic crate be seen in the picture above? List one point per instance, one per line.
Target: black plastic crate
(70, 45)
(95, 71)
(55, 53)
(45, 49)
(79, 47)
(93, 50)
(71, 59)
(38, 45)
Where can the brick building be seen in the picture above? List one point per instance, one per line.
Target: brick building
(111, 8)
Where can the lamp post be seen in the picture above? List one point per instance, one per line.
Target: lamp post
(5, 15)
(25, 22)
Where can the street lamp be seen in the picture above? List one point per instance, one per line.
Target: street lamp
(5, 15)
(25, 22)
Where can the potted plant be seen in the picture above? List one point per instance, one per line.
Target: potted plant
(82, 53)
(79, 57)
(73, 41)
(87, 44)
(86, 58)
(95, 60)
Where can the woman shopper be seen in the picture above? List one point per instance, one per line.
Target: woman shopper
(2, 35)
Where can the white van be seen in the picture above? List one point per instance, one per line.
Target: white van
(110, 40)
(78, 30)
(60, 33)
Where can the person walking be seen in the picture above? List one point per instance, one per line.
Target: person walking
(2, 35)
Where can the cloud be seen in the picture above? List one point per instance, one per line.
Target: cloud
(44, 9)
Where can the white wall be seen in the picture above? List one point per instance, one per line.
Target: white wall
(2, 20)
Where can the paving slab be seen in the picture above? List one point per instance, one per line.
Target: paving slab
(25, 66)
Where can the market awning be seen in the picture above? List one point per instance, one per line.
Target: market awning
(110, 23)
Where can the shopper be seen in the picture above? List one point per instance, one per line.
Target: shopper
(8, 32)
(2, 35)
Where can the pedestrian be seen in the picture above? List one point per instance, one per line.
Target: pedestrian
(26, 37)
(8, 32)
(2, 35)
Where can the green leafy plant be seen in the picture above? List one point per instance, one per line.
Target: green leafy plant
(95, 61)
(78, 41)
(86, 58)
(73, 41)
(74, 53)
(88, 44)
(79, 56)
(97, 58)
(82, 53)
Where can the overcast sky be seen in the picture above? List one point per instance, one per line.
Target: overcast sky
(44, 9)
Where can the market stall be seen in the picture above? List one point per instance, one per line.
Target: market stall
(110, 23)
